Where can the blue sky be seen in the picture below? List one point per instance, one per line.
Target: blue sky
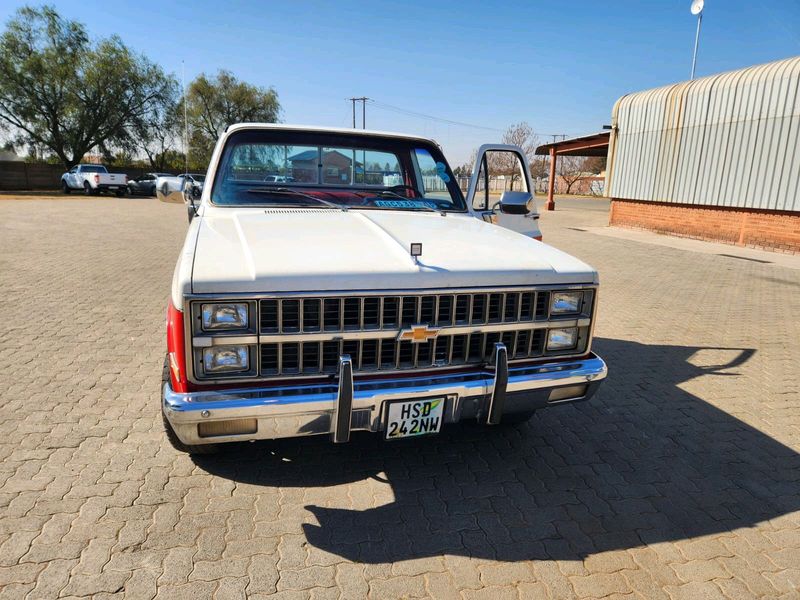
(558, 65)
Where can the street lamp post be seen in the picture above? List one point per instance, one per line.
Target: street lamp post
(697, 9)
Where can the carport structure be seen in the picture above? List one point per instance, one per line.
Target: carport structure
(595, 144)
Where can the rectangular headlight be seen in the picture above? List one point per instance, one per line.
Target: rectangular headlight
(562, 338)
(230, 315)
(226, 359)
(565, 303)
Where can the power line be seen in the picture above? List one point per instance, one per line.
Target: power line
(405, 111)
(397, 109)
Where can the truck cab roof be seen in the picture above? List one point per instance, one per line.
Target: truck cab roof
(318, 129)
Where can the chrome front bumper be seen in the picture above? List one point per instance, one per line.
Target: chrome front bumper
(345, 405)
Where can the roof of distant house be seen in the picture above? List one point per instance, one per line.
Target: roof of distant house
(312, 154)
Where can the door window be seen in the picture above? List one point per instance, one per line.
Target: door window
(500, 171)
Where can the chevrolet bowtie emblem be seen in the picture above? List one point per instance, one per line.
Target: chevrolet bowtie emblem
(418, 334)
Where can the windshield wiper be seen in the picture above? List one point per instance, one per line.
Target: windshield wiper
(270, 190)
(391, 194)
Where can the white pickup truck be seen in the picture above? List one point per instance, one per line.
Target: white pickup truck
(94, 179)
(316, 295)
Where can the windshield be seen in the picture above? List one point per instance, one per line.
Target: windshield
(353, 171)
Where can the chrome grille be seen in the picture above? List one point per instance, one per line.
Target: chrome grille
(375, 354)
(364, 313)
(305, 335)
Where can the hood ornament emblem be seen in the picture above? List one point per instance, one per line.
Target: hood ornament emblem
(418, 334)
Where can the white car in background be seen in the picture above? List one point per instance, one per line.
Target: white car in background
(94, 179)
(167, 184)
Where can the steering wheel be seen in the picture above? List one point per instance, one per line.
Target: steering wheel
(403, 186)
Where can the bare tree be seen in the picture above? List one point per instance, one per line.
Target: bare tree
(570, 169)
(505, 163)
(470, 164)
(593, 164)
(540, 167)
(522, 135)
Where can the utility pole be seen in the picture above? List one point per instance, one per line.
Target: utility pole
(363, 100)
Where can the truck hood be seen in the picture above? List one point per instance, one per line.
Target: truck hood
(308, 249)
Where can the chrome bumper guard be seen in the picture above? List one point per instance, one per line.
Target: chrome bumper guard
(337, 408)
(343, 407)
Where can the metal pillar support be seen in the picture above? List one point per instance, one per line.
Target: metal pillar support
(498, 398)
(551, 183)
(343, 409)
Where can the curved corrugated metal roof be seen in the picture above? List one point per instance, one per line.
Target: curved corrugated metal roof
(725, 140)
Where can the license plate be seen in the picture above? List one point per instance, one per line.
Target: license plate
(113, 187)
(410, 418)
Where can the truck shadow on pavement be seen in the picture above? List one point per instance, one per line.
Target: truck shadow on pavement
(643, 462)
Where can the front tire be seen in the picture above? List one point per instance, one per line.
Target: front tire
(65, 189)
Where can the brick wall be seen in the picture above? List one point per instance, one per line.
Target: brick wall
(772, 230)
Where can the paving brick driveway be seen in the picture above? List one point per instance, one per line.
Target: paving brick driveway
(681, 479)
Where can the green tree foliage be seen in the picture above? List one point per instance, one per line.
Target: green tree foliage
(157, 132)
(215, 102)
(61, 92)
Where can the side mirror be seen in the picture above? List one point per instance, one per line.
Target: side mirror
(172, 196)
(516, 203)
